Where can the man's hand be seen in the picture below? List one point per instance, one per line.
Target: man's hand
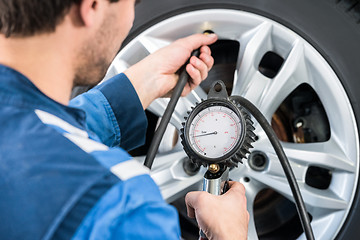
(220, 217)
(155, 76)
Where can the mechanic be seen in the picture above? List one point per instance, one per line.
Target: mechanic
(64, 169)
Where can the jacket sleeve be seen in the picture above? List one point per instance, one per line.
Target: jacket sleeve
(114, 113)
(132, 209)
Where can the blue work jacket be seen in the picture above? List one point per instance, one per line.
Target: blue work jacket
(63, 174)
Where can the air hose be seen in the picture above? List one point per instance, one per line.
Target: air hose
(159, 133)
(304, 217)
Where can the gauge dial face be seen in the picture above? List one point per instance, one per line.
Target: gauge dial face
(214, 131)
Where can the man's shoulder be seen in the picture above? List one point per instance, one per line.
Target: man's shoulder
(19, 124)
(29, 144)
(23, 126)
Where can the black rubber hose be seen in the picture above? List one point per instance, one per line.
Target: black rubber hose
(304, 217)
(183, 80)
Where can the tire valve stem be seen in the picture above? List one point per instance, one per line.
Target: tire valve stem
(207, 32)
(214, 168)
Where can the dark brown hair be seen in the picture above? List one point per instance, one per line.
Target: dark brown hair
(28, 17)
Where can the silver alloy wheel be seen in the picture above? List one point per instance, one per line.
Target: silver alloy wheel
(303, 64)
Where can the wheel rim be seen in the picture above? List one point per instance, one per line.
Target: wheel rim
(302, 64)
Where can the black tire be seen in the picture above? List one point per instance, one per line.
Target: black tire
(331, 26)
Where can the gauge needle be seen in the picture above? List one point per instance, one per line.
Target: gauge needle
(215, 132)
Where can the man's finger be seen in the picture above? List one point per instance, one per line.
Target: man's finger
(189, 200)
(202, 67)
(236, 186)
(194, 73)
(197, 40)
(207, 59)
(205, 49)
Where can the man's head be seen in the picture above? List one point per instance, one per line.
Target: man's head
(98, 27)
(97, 52)
(28, 17)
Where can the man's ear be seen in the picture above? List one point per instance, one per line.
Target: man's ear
(88, 10)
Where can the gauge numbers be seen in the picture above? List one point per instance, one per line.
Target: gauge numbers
(214, 131)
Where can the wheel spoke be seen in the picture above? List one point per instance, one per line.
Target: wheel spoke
(313, 198)
(327, 155)
(117, 66)
(292, 74)
(152, 44)
(251, 193)
(249, 81)
(252, 189)
(195, 96)
(184, 104)
(158, 108)
(169, 175)
(325, 199)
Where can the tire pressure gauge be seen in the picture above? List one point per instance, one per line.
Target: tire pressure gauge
(217, 131)
(217, 134)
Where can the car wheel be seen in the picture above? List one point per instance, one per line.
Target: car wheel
(297, 61)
